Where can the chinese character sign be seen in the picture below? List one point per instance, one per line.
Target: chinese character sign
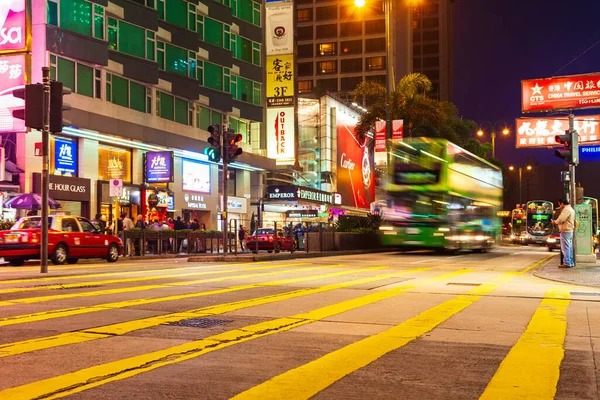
(561, 93)
(159, 166)
(280, 28)
(281, 135)
(280, 80)
(540, 132)
(13, 26)
(12, 76)
(65, 156)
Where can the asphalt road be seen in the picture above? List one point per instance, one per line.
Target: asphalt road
(371, 326)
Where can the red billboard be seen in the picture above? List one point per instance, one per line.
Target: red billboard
(355, 162)
(560, 93)
(540, 132)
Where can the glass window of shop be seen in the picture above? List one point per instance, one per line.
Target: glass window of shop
(114, 163)
(63, 156)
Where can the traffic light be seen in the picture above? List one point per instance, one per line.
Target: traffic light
(57, 106)
(33, 113)
(570, 153)
(214, 151)
(232, 151)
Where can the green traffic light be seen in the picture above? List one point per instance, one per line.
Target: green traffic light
(213, 154)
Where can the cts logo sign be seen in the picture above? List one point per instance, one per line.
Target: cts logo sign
(13, 25)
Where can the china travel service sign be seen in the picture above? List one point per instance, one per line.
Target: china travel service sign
(561, 93)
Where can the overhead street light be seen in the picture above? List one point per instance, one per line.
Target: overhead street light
(505, 131)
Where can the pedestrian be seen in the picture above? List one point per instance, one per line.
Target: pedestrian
(195, 225)
(99, 223)
(120, 222)
(178, 225)
(556, 214)
(139, 222)
(566, 224)
(203, 226)
(127, 226)
(242, 236)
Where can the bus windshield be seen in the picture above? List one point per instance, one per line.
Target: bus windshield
(518, 221)
(539, 217)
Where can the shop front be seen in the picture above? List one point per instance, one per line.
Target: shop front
(72, 193)
(111, 207)
(237, 211)
(285, 204)
(198, 206)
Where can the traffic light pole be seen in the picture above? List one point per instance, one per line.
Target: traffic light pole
(224, 207)
(45, 169)
(572, 186)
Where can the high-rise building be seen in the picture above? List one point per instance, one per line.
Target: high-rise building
(432, 44)
(148, 76)
(341, 45)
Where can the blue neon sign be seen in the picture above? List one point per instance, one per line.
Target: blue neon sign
(65, 156)
(589, 153)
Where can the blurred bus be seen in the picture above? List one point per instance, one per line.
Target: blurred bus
(439, 196)
(517, 225)
(539, 222)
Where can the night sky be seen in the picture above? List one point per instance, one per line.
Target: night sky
(497, 43)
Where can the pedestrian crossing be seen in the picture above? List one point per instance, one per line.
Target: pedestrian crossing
(286, 313)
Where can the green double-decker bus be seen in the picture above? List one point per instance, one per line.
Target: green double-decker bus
(439, 196)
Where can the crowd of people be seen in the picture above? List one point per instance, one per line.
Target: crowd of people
(125, 223)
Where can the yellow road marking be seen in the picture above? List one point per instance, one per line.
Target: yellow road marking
(537, 264)
(532, 367)
(86, 335)
(68, 312)
(105, 274)
(137, 279)
(56, 268)
(88, 378)
(42, 299)
(311, 378)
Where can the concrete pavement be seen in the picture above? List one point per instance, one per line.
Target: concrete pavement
(387, 325)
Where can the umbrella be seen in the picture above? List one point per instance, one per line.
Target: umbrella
(29, 201)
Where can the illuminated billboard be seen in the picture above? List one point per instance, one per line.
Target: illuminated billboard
(196, 177)
(540, 132)
(12, 76)
(13, 26)
(280, 28)
(560, 93)
(281, 135)
(280, 80)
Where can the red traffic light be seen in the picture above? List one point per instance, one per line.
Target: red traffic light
(234, 138)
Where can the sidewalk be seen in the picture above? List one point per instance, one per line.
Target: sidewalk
(585, 274)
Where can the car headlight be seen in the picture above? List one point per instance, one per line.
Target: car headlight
(551, 240)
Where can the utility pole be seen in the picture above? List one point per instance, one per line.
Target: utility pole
(45, 168)
(572, 190)
(224, 208)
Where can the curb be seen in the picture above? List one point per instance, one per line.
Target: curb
(275, 257)
(538, 274)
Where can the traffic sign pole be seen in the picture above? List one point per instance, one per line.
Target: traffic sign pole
(572, 190)
(45, 169)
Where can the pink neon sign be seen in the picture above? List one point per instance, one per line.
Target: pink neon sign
(12, 76)
(13, 25)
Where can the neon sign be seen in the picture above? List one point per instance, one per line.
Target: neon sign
(13, 25)
(12, 76)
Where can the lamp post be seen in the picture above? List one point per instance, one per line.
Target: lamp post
(528, 168)
(505, 131)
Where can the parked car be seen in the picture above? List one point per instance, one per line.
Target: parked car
(267, 239)
(69, 239)
(553, 241)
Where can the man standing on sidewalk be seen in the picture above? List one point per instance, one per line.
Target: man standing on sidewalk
(566, 224)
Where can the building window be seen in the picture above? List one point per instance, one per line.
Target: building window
(351, 29)
(246, 10)
(305, 51)
(374, 26)
(431, 49)
(80, 78)
(246, 50)
(375, 63)
(305, 33)
(327, 85)
(305, 15)
(431, 23)
(326, 31)
(215, 74)
(326, 13)
(352, 65)
(327, 49)
(206, 117)
(350, 83)
(130, 39)
(375, 45)
(351, 47)
(431, 62)
(305, 69)
(213, 32)
(126, 93)
(114, 163)
(79, 16)
(376, 78)
(327, 67)
(173, 108)
(305, 86)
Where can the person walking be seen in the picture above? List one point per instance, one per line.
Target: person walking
(242, 236)
(566, 225)
(128, 225)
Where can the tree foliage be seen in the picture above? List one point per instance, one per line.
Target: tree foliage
(422, 115)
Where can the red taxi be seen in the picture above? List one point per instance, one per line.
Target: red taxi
(266, 239)
(69, 239)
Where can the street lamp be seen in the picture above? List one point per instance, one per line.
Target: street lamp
(528, 168)
(387, 10)
(505, 131)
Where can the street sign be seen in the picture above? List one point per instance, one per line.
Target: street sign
(116, 188)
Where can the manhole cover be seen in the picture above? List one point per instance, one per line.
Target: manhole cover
(201, 322)
(463, 284)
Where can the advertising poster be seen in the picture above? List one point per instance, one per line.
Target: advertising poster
(12, 76)
(159, 166)
(561, 93)
(13, 26)
(280, 80)
(196, 177)
(380, 142)
(355, 173)
(280, 27)
(541, 132)
(281, 134)
(65, 157)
